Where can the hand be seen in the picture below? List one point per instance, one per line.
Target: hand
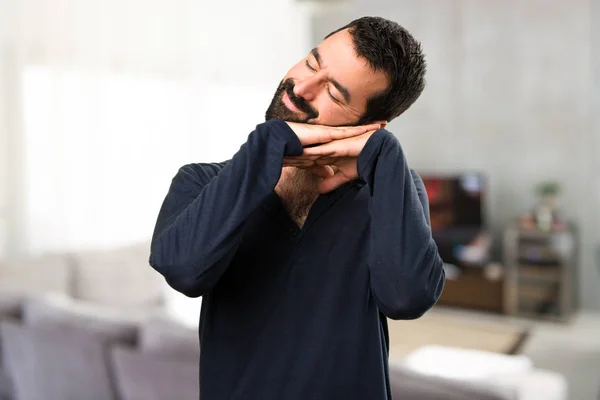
(341, 154)
(319, 134)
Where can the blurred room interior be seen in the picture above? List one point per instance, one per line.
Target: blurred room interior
(102, 101)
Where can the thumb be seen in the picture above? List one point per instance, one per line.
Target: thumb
(322, 171)
(332, 182)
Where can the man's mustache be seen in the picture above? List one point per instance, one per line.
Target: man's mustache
(298, 101)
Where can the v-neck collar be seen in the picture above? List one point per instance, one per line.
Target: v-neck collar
(275, 207)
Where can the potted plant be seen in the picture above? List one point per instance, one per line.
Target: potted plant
(548, 192)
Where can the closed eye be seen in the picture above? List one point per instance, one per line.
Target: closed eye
(328, 91)
(332, 96)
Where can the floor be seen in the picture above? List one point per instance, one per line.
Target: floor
(572, 349)
(434, 328)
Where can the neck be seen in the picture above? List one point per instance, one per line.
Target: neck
(297, 189)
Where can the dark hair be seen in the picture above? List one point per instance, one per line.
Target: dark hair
(389, 48)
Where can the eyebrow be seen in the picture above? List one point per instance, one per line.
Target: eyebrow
(341, 88)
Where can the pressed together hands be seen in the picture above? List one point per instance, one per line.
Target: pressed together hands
(335, 153)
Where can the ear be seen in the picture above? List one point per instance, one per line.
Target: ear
(382, 123)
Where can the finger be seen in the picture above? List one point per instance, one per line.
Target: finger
(322, 171)
(351, 131)
(327, 134)
(311, 159)
(298, 164)
(302, 158)
(327, 161)
(366, 128)
(331, 183)
(317, 134)
(301, 166)
(327, 149)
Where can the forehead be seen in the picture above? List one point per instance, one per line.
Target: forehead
(339, 57)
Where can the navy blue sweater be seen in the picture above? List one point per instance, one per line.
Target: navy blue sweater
(291, 313)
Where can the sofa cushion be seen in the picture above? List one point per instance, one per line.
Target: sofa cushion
(465, 364)
(142, 376)
(161, 335)
(42, 274)
(407, 384)
(63, 313)
(62, 364)
(121, 277)
(537, 384)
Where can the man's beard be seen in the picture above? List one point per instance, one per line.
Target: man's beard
(277, 109)
(297, 189)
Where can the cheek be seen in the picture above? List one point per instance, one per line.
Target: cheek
(330, 113)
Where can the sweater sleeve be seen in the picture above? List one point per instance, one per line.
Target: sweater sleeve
(407, 275)
(198, 229)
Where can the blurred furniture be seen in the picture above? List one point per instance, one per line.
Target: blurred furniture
(140, 376)
(458, 225)
(164, 364)
(95, 327)
(470, 281)
(56, 364)
(474, 288)
(118, 277)
(92, 283)
(64, 361)
(58, 357)
(481, 375)
(540, 272)
(58, 348)
(408, 384)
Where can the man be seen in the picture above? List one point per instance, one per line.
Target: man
(312, 234)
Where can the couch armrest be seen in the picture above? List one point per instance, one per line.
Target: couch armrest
(62, 364)
(63, 313)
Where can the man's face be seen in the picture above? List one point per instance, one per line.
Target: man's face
(331, 86)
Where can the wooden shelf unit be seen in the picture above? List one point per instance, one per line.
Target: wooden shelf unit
(539, 274)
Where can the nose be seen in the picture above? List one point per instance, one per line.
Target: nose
(309, 87)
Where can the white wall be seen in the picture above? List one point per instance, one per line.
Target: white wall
(116, 95)
(102, 149)
(509, 93)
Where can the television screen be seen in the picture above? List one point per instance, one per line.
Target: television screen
(455, 201)
(456, 205)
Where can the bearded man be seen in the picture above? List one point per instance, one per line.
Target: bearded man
(313, 234)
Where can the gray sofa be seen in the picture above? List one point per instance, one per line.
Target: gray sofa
(96, 325)
(56, 357)
(142, 377)
(91, 285)
(155, 359)
(57, 352)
